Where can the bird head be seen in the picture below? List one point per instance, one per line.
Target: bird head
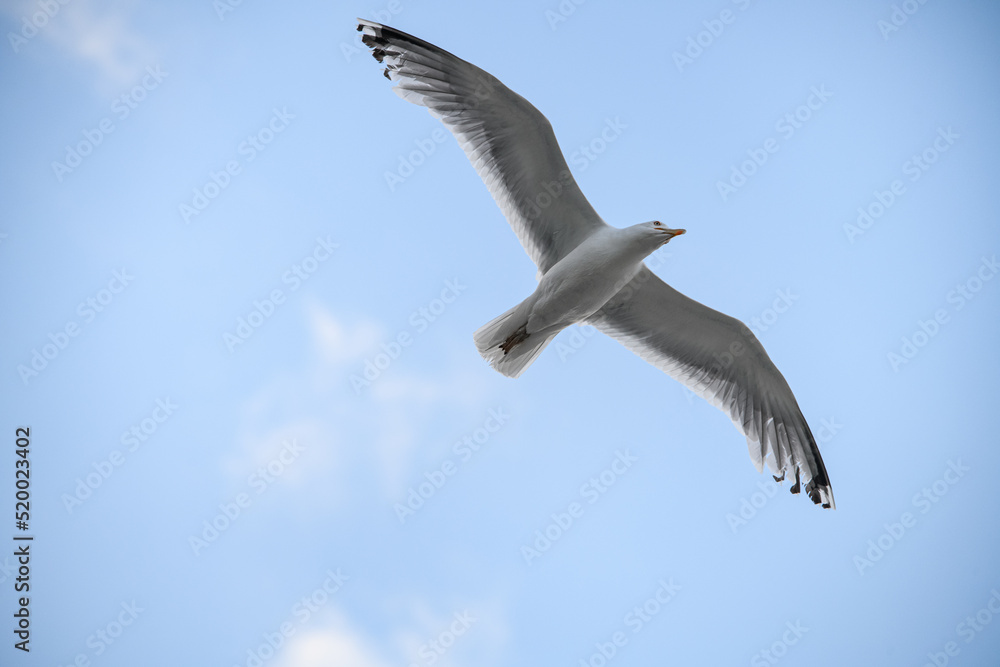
(660, 233)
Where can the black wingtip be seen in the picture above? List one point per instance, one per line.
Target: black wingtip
(815, 491)
(798, 483)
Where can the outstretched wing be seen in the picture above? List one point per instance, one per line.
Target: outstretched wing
(508, 141)
(721, 360)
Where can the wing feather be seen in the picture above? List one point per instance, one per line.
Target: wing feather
(509, 142)
(721, 360)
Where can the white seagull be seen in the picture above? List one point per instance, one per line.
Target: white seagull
(590, 272)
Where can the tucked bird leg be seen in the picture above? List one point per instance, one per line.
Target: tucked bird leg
(519, 336)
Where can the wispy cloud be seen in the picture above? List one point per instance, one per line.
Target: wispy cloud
(430, 634)
(336, 645)
(100, 34)
(381, 431)
(335, 342)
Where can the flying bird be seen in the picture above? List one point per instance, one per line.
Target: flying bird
(590, 272)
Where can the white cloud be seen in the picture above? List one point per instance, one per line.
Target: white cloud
(100, 34)
(474, 634)
(336, 344)
(261, 448)
(357, 443)
(336, 645)
(403, 404)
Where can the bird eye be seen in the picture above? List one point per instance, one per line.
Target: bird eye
(656, 223)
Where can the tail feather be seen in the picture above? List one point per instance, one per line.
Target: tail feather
(505, 343)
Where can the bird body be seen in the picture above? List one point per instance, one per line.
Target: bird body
(583, 281)
(591, 272)
(575, 288)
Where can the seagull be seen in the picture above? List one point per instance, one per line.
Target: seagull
(590, 272)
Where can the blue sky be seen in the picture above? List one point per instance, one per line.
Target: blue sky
(241, 277)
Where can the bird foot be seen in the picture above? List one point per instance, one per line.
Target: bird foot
(519, 336)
